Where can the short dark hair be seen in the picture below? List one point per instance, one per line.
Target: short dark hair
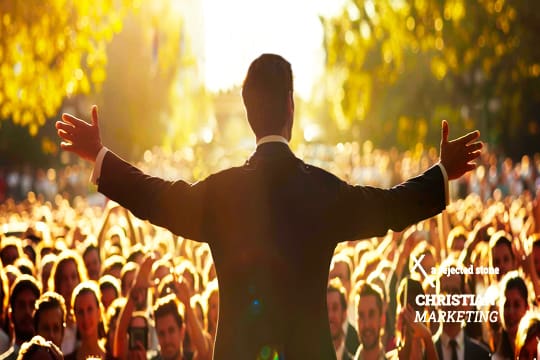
(91, 247)
(38, 343)
(501, 238)
(169, 305)
(513, 281)
(22, 283)
(335, 285)
(265, 92)
(367, 289)
(47, 301)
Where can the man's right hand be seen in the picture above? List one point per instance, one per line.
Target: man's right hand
(457, 155)
(80, 137)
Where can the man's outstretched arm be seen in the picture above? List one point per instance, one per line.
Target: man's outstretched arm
(364, 211)
(175, 205)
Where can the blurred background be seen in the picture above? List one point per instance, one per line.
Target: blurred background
(166, 75)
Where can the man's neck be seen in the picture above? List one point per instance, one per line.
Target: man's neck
(338, 340)
(371, 354)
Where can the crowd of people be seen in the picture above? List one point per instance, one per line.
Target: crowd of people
(82, 278)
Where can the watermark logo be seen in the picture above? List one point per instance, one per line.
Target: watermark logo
(454, 307)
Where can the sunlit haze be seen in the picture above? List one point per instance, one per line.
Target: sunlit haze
(237, 31)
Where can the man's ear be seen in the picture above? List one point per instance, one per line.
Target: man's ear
(290, 102)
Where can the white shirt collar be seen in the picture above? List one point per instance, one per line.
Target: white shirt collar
(272, 138)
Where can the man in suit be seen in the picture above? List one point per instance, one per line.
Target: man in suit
(454, 344)
(273, 223)
(336, 303)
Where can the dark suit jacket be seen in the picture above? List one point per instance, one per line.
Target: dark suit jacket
(272, 226)
(473, 350)
(351, 339)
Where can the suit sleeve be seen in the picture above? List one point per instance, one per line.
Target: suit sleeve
(362, 211)
(175, 205)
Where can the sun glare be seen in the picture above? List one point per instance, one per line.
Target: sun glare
(237, 31)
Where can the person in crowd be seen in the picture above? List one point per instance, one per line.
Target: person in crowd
(536, 254)
(261, 208)
(92, 261)
(66, 274)
(112, 315)
(341, 267)
(23, 296)
(414, 337)
(513, 305)
(127, 277)
(50, 317)
(336, 304)
(38, 348)
(5, 341)
(453, 340)
(528, 337)
(11, 250)
(109, 287)
(45, 269)
(113, 266)
(502, 255)
(88, 314)
(371, 321)
(136, 301)
(170, 328)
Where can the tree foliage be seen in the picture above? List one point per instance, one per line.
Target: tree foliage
(149, 97)
(397, 67)
(52, 49)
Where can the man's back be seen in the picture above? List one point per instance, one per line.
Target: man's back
(272, 226)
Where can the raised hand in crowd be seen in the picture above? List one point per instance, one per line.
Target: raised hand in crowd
(137, 294)
(418, 341)
(200, 339)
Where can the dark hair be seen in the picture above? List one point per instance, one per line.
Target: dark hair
(414, 288)
(516, 282)
(109, 282)
(47, 301)
(91, 247)
(265, 92)
(335, 285)
(22, 283)
(38, 343)
(501, 238)
(367, 289)
(169, 305)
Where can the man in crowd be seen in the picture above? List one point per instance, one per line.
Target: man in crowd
(170, 328)
(453, 343)
(272, 224)
(371, 321)
(24, 293)
(336, 304)
(92, 261)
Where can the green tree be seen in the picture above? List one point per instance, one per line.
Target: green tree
(396, 68)
(50, 50)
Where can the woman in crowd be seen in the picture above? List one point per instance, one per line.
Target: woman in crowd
(67, 272)
(89, 319)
